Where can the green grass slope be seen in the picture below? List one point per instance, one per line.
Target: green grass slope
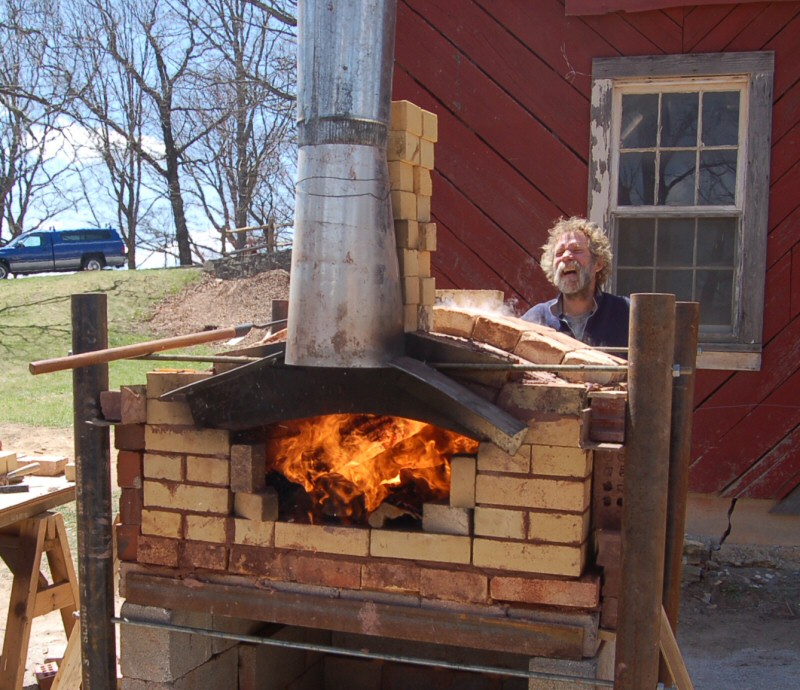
(35, 324)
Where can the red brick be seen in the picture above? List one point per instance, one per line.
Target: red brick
(328, 572)
(608, 614)
(129, 437)
(454, 585)
(202, 554)
(130, 506)
(110, 405)
(127, 542)
(251, 560)
(159, 551)
(390, 577)
(133, 404)
(583, 593)
(129, 469)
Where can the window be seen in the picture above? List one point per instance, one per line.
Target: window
(679, 177)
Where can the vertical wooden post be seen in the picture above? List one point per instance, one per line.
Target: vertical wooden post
(687, 324)
(280, 310)
(651, 338)
(93, 498)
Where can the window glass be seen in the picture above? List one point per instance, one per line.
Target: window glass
(676, 184)
(676, 281)
(679, 113)
(715, 293)
(717, 178)
(636, 242)
(676, 242)
(721, 118)
(636, 179)
(639, 121)
(632, 280)
(716, 241)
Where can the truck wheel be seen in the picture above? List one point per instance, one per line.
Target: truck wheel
(3, 271)
(92, 263)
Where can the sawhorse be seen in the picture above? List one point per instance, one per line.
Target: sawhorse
(22, 547)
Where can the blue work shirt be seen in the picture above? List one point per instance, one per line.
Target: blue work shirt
(607, 326)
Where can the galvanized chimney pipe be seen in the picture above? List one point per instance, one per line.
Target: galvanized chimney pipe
(345, 306)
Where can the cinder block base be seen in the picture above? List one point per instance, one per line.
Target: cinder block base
(219, 672)
(599, 667)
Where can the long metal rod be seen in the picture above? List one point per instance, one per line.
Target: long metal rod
(501, 366)
(212, 359)
(362, 654)
(651, 336)
(687, 323)
(93, 497)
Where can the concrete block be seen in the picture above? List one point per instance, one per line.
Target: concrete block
(453, 321)
(260, 507)
(533, 492)
(191, 498)
(406, 116)
(203, 469)
(462, 481)
(526, 399)
(346, 673)
(493, 459)
(502, 523)
(547, 559)
(349, 541)
(158, 655)
(418, 546)
(161, 412)
(163, 381)
(163, 466)
(406, 233)
(439, 518)
(175, 439)
(161, 523)
(263, 667)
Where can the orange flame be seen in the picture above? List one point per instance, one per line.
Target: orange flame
(345, 461)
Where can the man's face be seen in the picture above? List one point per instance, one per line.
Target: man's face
(574, 265)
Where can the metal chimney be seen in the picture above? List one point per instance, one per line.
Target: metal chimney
(345, 306)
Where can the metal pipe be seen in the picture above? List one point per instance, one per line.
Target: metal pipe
(501, 366)
(651, 338)
(687, 323)
(211, 359)
(364, 654)
(93, 497)
(345, 307)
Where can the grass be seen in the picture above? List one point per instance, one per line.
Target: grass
(35, 324)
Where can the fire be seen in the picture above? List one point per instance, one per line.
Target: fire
(349, 464)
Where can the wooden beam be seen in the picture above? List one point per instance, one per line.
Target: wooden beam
(244, 600)
(672, 655)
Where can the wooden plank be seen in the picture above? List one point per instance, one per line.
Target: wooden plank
(45, 493)
(787, 54)
(764, 27)
(717, 35)
(786, 112)
(783, 197)
(786, 152)
(777, 287)
(660, 28)
(21, 604)
(240, 598)
(482, 106)
(774, 474)
(62, 569)
(753, 436)
(53, 598)
(606, 6)
(700, 23)
(69, 676)
(517, 68)
(672, 655)
(783, 237)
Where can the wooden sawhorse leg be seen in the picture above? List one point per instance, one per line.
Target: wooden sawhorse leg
(22, 548)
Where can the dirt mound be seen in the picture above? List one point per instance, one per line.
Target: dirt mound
(215, 303)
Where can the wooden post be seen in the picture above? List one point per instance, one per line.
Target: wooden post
(93, 497)
(651, 338)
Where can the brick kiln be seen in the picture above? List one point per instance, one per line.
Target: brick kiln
(459, 528)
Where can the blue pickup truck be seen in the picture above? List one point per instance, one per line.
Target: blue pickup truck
(43, 251)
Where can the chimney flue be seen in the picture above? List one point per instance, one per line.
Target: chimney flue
(345, 306)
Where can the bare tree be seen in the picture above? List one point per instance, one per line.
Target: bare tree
(239, 164)
(35, 156)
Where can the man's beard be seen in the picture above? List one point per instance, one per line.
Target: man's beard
(574, 283)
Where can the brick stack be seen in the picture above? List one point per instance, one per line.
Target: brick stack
(413, 133)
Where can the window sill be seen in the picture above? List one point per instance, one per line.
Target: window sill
(730, 361)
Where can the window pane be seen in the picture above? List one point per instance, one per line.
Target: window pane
(721, 118)
(716, 241)
(636, 179)
(639, 121)
(675, 242)
(676, 185)
(676, 282)
(715, 294)
(636, 242)
(717, 178)
(679, 119)
(630, 280)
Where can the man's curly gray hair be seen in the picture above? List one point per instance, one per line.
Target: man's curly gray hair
(599, 245)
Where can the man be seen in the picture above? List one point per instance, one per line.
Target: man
(577, 260)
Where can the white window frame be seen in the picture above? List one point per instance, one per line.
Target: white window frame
(752, 74)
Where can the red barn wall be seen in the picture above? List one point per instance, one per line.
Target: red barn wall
(510, 81)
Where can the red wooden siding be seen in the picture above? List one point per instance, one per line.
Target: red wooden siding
(510, 81)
